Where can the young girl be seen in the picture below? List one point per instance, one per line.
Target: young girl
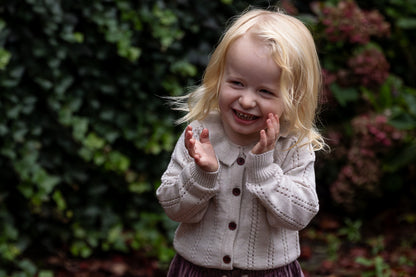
(241, 178)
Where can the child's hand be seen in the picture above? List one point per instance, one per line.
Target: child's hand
(202, 150)
(268, 136)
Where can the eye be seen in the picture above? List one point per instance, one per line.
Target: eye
(236, 83)
(265, 91)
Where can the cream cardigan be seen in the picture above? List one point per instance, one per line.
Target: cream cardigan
(247, 214)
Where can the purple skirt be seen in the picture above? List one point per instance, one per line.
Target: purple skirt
(180, 267)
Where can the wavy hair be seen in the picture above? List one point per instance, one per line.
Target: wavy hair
(292, 48)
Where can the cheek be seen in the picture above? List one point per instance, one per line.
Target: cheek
(280, 111)
(222, 102)
(224, 99)
(276, 108)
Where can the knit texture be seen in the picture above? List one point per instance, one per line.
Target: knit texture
(255, 229)
(181, 267)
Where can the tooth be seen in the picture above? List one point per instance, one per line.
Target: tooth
(245, 116)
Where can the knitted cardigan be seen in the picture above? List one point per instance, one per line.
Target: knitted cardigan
(247, 214)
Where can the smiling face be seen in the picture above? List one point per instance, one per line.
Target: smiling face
(249, 90)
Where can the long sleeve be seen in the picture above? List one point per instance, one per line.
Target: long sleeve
(186, 189)
(286, 189)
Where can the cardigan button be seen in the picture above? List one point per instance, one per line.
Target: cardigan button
(240, 161)
(232, 226)
(236, 191)
(226, 259)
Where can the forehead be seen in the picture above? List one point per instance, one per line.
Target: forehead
(249, 44)
(250, 55)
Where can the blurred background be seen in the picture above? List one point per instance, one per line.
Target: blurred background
(85, 133)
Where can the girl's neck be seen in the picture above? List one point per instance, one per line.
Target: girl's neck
(242, 141)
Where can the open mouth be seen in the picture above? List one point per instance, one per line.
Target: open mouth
(244, 116)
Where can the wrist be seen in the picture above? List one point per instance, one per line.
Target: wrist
(209, 169)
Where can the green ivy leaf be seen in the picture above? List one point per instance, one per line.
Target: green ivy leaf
(344, 95)
(5, 57)
(46, 273)
(80, 128)
(59, 200)
(140, 187)
(92, 141)
(45, 181)
(80, 248)
(28, 267)
(406, 23)
(117, 161)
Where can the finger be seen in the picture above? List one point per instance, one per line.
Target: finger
(188, 137)
(271, 131)
(277, 119)
(204, 137)
(274, 120)
(263, 139)
(190, 141)
(276, 125)
(191, 148)
(261, 145)
(188, 133)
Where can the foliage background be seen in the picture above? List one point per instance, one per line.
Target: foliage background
(85, 135)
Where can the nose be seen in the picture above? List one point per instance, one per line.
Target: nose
(247, 100)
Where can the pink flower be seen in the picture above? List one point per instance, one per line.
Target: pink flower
(369, 67)
(361, 173)
(347, 22)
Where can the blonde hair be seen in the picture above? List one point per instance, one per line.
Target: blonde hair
(293, 50)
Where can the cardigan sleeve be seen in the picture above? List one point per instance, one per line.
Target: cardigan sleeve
(186, 189)
(285, 188)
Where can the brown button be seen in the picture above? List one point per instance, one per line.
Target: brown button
(232, 226)
(236, 191)
(226, 259)
(240, 161)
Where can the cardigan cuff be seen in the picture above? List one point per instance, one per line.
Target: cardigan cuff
(204, 178)
(259, 167)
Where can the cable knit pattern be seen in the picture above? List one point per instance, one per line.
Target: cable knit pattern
(246, 215)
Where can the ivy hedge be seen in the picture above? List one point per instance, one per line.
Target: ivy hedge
(85, 134)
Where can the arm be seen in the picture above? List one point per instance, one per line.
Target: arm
(186, 188)
(287, 191)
